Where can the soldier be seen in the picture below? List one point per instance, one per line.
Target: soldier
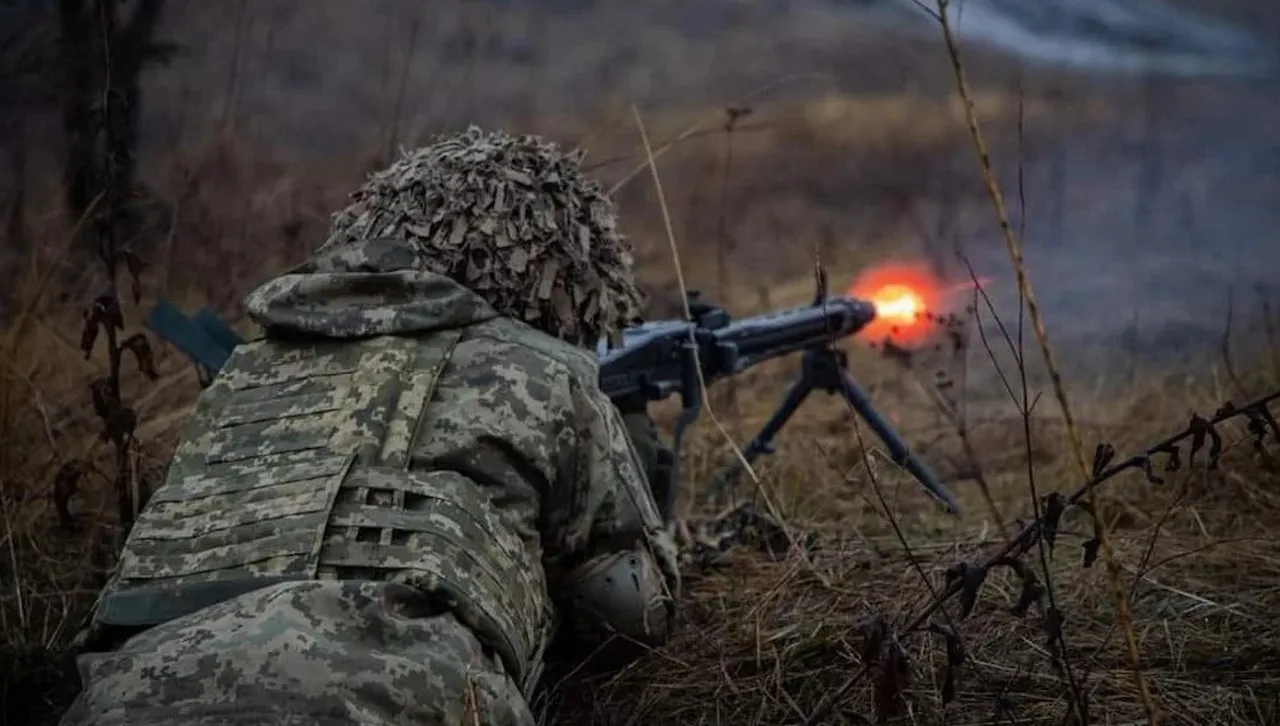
(381, 511)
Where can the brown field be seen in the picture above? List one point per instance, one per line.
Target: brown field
(248, 151)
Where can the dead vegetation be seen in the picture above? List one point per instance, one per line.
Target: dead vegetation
(889, 612)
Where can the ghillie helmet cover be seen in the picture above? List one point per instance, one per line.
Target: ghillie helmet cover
(511, 218)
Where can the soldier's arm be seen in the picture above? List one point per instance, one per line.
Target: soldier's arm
(656, 459)
(621, 577)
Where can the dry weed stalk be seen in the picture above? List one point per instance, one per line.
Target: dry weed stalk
(107, 135)
(884, 657)
(1014, 247)
(701, 128)
(725, 245)
(1053, 617)
(688, 314)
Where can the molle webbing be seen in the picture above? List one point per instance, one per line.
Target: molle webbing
(295, 466)
(254, 481)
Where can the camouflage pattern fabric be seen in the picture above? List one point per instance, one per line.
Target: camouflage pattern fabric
(305, 653)
(515, 412)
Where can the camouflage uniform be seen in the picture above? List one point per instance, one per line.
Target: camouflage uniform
(382, 511)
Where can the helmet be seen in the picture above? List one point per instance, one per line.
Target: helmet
(511, 218)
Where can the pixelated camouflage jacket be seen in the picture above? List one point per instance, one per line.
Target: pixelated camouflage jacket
(508, 422)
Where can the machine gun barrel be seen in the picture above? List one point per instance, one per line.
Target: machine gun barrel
(774, 335)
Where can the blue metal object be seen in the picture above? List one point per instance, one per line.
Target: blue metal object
(221, 333)
(205, 339)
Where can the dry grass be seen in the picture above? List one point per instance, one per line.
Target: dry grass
(766, 638)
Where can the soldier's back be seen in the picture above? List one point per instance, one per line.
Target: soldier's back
(315, 479)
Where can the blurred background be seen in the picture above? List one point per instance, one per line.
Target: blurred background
(1140, 135)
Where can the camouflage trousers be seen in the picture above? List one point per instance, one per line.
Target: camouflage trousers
(367, 653)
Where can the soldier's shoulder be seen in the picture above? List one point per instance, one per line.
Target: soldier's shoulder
(503, 331)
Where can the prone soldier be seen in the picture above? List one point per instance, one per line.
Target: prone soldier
(382, 510)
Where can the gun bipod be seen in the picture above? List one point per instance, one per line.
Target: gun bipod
(826, 368)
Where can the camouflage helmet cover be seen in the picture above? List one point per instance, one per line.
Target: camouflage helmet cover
(511, 218)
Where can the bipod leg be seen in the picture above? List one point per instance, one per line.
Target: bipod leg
(691, 396)
(820, 370)
(762, 443)
(898, 449)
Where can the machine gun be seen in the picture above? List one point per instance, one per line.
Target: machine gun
(662, 358)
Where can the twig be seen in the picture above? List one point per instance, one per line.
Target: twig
(823, 708)
(1057, 634)
(955, 412)
(700, 126)
(473, 701)
(13, 563)
(688, 313)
